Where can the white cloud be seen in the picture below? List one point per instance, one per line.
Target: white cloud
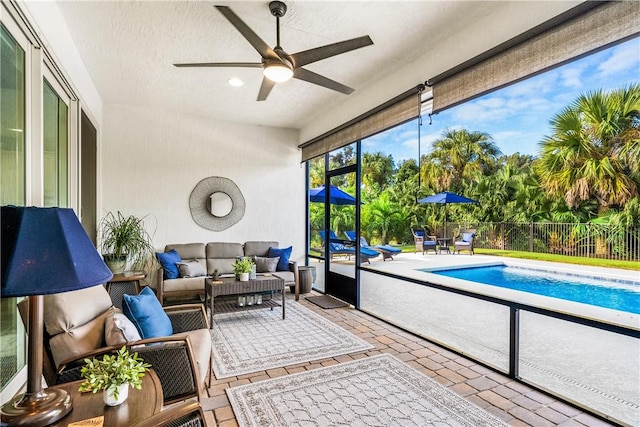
(571, 76)
(623, 58)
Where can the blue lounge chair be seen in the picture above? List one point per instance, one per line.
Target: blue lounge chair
(336, 246)
(424, 241)
(386, 250)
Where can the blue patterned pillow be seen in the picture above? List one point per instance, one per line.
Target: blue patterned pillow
(145, 311)
(169, 261)
(284, 254)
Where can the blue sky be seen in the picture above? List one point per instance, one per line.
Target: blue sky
(517, 117)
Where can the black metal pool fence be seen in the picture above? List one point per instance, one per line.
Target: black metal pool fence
(573, 239)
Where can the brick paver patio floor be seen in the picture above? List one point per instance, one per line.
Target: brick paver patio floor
(514, 403)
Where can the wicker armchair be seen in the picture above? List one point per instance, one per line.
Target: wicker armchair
(464, 242)
(423, 241)
(188, 414)
(181, 361)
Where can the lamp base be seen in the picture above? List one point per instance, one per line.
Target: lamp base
(37, 409)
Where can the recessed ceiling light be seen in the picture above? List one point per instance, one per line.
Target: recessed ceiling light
(235, 82)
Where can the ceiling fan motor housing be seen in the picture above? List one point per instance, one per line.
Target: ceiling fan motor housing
(278, 8)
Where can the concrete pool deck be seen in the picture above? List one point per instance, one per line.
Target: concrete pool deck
(596, 368)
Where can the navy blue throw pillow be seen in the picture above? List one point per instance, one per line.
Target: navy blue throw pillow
(169, 261)
(284, 254)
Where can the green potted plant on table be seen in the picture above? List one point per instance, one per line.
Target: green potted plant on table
(242, 267)
(124, 240)
(113, 375)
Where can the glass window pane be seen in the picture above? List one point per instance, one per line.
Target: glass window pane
(341, 157)
(55, 131)
(12, 183)
(12, 99)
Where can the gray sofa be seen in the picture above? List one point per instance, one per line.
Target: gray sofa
(216, 256)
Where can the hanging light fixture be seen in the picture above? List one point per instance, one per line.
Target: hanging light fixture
(278, 71)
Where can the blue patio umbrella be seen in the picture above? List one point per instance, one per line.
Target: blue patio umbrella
(336, 196)
(446, 198)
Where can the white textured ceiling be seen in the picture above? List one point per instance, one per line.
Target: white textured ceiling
(129, 47)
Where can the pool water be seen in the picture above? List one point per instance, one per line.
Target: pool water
(617, 295)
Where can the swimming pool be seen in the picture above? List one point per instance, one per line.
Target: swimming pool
(621, 295)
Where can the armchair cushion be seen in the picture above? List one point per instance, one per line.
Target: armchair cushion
(63, 311)
(200, 340)
(466, 237)
(118, 329)
(169, 261)
(145, 311)
(284, 254)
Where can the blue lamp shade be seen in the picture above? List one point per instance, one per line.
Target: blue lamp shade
(46, 251)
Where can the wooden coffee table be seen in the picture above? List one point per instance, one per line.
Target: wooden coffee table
(228, 287)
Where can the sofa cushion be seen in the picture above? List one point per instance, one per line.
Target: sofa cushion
(188, 250)
(169, 261)
(118, 329)
(200, 340)
(224, 250)
(284, 254)
(288, 276)
(191, 268)
(266, 265)
(62, 313)
(145, 311)
(259, 248)
(184, 284)
(222, 255)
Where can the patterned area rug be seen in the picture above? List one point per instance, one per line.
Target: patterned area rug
(256, 340)
(375, 391)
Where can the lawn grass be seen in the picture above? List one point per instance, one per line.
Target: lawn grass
(594, 262)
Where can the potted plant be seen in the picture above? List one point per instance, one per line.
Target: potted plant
(124, 240)
(242, 267)
(113, 375)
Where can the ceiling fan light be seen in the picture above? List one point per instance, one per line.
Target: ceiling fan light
(278, 72)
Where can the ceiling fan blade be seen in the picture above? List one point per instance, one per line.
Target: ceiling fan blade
(265, 89)
(311, 77)
(258, 44)
(305, 57)
(221, 64)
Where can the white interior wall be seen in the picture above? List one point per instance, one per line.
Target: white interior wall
(152, 160)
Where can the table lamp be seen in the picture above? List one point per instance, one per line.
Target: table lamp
(44, 251)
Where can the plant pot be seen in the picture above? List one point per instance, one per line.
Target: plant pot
(109, 395)
(244, 277)
(116, 264)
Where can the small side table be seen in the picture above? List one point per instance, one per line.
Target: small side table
(306, 279)
(140, 405)
(444, 243)
(124, 283)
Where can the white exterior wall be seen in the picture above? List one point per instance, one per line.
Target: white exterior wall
(152, 160)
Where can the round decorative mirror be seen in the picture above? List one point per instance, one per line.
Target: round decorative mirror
(216, 203)
(220, 204)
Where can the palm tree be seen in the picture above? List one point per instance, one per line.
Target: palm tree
(594, 149)
(381, 216)
(458, 156)
(377, 168)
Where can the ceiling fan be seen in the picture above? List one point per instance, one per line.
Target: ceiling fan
(279, 66)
